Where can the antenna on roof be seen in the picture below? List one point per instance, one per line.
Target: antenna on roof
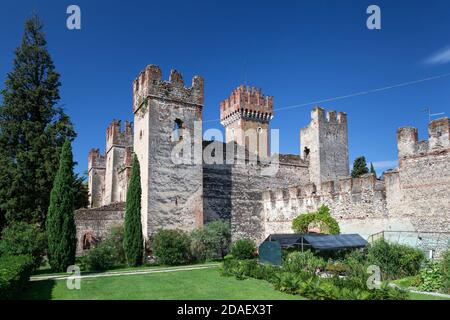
(431, 115)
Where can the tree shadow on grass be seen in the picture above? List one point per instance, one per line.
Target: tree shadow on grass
(38, 290)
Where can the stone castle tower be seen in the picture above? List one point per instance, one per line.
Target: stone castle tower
(246, 115)
(167, 113)
(324, 142)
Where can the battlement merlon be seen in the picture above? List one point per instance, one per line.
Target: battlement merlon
(320, 115)
(149, 84)
(247, 102)
(408, 143)
(367, 184)
(96, 160)
(115, 136)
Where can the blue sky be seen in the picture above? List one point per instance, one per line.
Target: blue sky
(296, 51)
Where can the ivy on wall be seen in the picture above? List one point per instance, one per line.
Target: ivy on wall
(321, 218)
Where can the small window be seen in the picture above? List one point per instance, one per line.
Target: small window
(306, 152)
(177, 133)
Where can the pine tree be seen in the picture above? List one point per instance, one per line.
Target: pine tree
(60, 224)
(133, 240)
(32, 130)
(359, 167)
(372, 169)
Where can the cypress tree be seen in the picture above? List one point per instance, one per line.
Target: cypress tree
(32, 130)
(359, 167)
(60, 224)
(133, 240)
(372, 169)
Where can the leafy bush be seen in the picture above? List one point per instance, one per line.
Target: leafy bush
(172, 247)
(22, 238)
(431, 276)
(286, 282)
(115, 239)
(211, 241)
(395, 260)
(445, 268)
(301, 223)
(102, 257)
(303, 261)
(14, 274)
(243, 249)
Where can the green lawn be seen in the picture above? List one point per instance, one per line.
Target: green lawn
(181, 285)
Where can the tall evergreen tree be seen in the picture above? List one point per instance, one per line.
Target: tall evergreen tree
(372, 169)
(32, 130)
(359, 167)
(133, 242)
(60, 224)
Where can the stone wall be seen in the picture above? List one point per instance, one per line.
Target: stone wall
(350, 201)
(97, 222)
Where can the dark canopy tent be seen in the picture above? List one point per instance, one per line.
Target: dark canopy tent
(318, 242)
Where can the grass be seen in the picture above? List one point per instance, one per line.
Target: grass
(182, 285)
(419, 296)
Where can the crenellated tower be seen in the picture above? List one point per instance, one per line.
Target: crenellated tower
(117, 143)
(96, 173)
(167, 118)
(246, 115)
(324, 142)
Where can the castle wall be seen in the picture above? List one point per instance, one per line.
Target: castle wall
(419, 189)
(173, 185)
(234, 192)
(97, 222)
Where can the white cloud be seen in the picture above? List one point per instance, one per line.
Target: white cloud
(387, 164)
(440, 57)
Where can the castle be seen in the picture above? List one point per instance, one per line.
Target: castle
(185, 195)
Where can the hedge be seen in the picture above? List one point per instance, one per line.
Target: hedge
(15, 272)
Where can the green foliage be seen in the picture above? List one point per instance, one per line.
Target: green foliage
(33, 129)
(133, 242)
(445, 269)
(431, 277)
(60, 224)
(243, 249)
(372, 169)
(106, 254)
(172, 247)
(359, 167)
(100, 258)
(297, 262)
(21, 238)
(300, 224)
(211, 241)
(14, 274)
(81, 192)
(115, 239)
(395, 260)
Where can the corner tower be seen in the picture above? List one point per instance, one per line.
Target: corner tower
(167, 114)
(324, 142)
(246, 115)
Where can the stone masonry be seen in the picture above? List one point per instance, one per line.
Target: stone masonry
(254, 198)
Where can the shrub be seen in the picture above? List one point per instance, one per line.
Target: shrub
(14, 274)
(243, 249)
(115, 239)
(172, 247)
(431, 277)
(102, 257)
(211, 241)
(445, 268)
(297, 262)
(286, 282)
(301, 223)
(395, 260)
(21, 238)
